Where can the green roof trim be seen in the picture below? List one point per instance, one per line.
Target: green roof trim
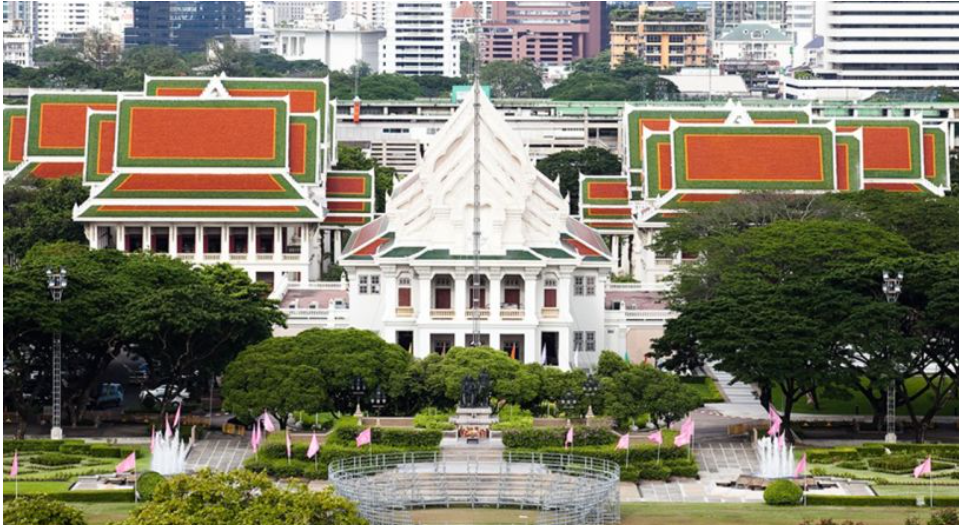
(403, 251)
(311, 154)
(915, 170)
(155, 85)
(104, 102)
(9, 114)
(114, 191)
(553, 253)
(300, 212)
(91, 172)
(511, 255)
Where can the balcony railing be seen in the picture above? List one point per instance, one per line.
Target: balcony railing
(186, 256)
(442, 313)
(404, 311)
(549, 313)
(211, 257)
(512, 314)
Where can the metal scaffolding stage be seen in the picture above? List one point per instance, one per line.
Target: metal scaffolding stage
(564, 489)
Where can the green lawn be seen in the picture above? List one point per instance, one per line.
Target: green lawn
(758, 514)
(845, 403)
(36, 487)
(917, 490)
(103, 513)
(706, 389)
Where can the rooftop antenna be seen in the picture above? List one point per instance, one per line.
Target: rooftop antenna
(477, 278)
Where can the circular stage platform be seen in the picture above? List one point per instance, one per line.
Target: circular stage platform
(561, 489)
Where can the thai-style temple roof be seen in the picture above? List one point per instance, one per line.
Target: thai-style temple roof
(520, 208)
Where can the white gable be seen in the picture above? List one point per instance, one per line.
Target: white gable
(519, 206)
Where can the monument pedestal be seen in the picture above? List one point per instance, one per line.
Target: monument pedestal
(473, 424)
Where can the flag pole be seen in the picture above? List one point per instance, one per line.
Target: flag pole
(658, 447)
(931, 503)
(136, 497)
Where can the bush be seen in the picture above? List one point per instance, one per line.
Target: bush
(40, 510)
(56, 459)
(897, 464)
(782, 492)
(537, 438)
(945, 517)
(390, 437)
(147, 484)
(114, 451)
(433, 419)
(321, 421)
(832, 455)
(512, 417)
(81, 448)
(853, 464)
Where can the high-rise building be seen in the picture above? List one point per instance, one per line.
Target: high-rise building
(877, 46)
(662, 37)
(729, 14)
(20, 17)
(373, 12)
(419, 40)
(464, 20)
(186, 26)
(261, 18)
(548, 33)
(800, 24)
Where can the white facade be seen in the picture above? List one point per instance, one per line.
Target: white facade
(543, 274)
(755, 42)
(419, 40)
(53, 18)
(800, 25)
(373, 12)
(871, 47)
(261, 18)
(18, 49)
(339, 46)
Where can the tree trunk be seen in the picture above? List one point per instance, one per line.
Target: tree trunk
(787, 417)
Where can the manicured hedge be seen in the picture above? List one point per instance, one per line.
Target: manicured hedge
(876, 501)
(390, 437)
(918, 449)
(540, 438)
(642, 465)
(276, 464)
(38, 445)
(56, 459)
(88, 496)
(901, 464)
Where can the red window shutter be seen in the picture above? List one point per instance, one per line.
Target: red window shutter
(404, 297)
(549, 298)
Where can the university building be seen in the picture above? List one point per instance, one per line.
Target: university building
(222, 169)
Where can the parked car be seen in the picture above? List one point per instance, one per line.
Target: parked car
(151, 397)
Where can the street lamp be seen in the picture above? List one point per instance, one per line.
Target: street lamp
(359, 390)
(891, 288)
(379, 399)
(590, 389)
(568, 401)
(56, 282)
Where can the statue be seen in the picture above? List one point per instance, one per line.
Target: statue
(469, 389)
(483, 393)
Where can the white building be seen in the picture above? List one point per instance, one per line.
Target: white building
(755, 42)
(55, 18)
(419, 40)
(543, 290)
(800, 25)
(875, 46)
(261, 18)
(372, 12)
(18, 49)
(339, 45)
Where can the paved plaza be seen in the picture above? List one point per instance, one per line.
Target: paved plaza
(219, 452)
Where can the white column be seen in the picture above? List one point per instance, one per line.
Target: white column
(563, 294)
(173, 240)
(278, 243)
(337, 246)
(531, 347)
(199, 250)
(425, 296)
(388, 291)
(495, 296)
(251, 242)
(147, 238)
(460, 296)
(530, 281)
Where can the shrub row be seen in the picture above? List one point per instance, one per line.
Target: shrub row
(56, 459)
(389, 437)
(72, 447)
(876, 501)
(88, 496)
(38, 445)
(299, 466)
(876, 450)
(540, 438)
(642, 464)
(900, 464)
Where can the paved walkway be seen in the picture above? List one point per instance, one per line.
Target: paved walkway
(219, 452)
(741, 400)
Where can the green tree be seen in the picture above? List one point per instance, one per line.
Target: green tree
(36, 210)
(590, 86)
(437, 86)
(929, 223)
(87, 317)
(513, 79)
(760, 305)
(40, 510)
(511, 381)
(189, 323)
(314, 371)
(388, 86)
(668, 400)
(241, 497)
(567, 165)
(226, 56)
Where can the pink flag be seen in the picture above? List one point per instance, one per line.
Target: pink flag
(255, 437)
(289, 446)
(267, 423)
(801, 467)
(314, 447)
(129, 463)
(365, 437)
(774, 422)
(15, 467)
(176, 418)
(569, 437)
(657, 437)
(781, 441)
(923, 469)
(623, 442)
(153, 437)
(685, 433)
(169, 431)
